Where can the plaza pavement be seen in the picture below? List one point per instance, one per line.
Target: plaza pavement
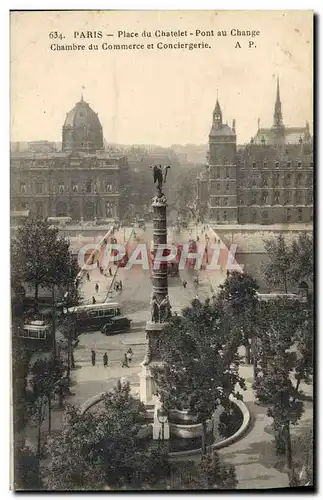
(257, 465)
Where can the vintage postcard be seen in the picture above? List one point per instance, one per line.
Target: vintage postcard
(161, 170)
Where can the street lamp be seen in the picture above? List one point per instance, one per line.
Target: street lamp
(162, 418)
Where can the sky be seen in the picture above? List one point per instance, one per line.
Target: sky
(162, 97)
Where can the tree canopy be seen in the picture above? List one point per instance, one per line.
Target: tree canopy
(100, 448)
(40, 256)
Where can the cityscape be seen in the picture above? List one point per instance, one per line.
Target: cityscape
(161, 251)
(162, 309)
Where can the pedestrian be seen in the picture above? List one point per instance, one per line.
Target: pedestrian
(97, 263)
(105, 359)
(101, 269)
(88, 276)
(96, 287)
(129, 355)
(110, 271)
(93, 357)
(125, 362)
(120, 286)
(184, 283)
(93, 300)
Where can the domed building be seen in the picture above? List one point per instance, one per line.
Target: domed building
(82, 130)
(82, 181)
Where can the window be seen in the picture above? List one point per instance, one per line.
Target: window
(23, 188)
(287, 178)
(288, 197)
(275, 180)
(253, 216)
(39, 210)
(216, 201)
(253, 182)
(241, 201)
(24, 205)
(61, 188)
(108, 209)
(228, 187)
(265, 181)
(277, 164)
(225, 201)
(299, 164)
(108, 187)
(289, 164)
(265, 215)
(224, 215)
(74, 187)
(253, 199)
(298, 197)
(300, 214)
(265, 198)
(276, 197)
(39, 187)
(253, 164)
(227, 173)
(88, 186)
(265, 164)
(310, 197)
(288, 216)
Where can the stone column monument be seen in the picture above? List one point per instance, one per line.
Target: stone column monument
(160, 307)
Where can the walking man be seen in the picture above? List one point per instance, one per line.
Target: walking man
(105, 359)
(93, 300)
(110, 271)
(93, 357)
(125, 362)
(96, 287)
(129, 355)
(88, 276)
(184, 283)
(120, 286)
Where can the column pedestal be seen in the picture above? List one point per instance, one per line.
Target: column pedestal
(147, 385)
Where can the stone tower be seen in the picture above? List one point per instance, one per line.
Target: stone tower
(221, 178)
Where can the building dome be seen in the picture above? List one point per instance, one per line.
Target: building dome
(82, 130)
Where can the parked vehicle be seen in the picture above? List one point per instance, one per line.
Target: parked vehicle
(116, 325)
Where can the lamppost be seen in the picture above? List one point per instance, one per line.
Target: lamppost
(162, 418)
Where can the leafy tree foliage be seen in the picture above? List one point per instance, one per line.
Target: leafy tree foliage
(100, 448)
(216, 475)
(289, 264)
(209, 474)
(200, 366)
(302, 258)
(27, 471)
(278, 271)
(238, 298)
(45, 378)
(285, 358)
(40, 256)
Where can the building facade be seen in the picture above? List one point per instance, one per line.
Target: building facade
(268, 181)
(82, 181)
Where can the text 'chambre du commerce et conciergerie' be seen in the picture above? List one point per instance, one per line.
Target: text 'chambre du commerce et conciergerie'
(99, 40)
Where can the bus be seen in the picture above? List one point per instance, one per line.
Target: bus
(93, 316)
(36, 330)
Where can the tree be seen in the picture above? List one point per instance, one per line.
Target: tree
(278, 270)
(200, 366)
(284, 359)
(216, 475)
(238, 297)
(26, 470)
(100, 448)
(46, 377)
(302, 258)
(40, 256)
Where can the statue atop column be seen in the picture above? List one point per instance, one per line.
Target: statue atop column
(160, 175)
